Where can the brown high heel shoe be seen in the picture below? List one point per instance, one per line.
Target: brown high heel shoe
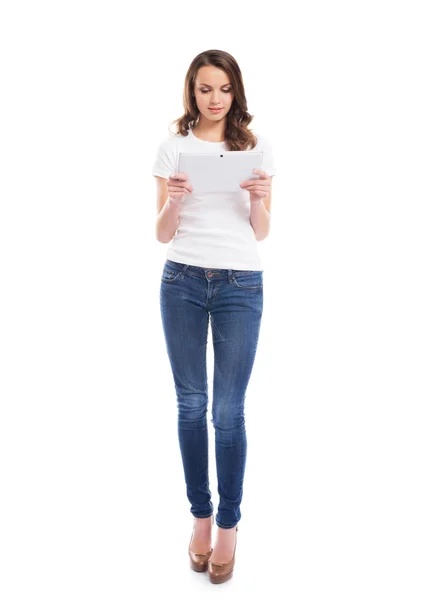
(220, 572)
(199, 562)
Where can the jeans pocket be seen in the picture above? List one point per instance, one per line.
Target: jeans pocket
(250, 280)
(169, 275)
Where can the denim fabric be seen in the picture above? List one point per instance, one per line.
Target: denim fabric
(233, 300)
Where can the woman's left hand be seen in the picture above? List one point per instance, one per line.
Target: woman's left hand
(257, 188)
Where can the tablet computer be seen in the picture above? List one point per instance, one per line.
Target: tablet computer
(220, 171)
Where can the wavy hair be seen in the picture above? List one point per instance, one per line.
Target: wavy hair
(237, 135)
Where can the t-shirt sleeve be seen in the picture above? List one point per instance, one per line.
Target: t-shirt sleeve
(268, 164)
(165, 161)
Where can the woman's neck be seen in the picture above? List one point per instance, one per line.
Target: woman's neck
(210, 133)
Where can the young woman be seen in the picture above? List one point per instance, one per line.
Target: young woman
(212, 270)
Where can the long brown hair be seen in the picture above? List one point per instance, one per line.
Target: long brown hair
(237, 135)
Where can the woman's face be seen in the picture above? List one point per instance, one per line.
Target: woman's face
(213, 89)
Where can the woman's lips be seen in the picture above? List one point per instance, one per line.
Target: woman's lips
(215, 110)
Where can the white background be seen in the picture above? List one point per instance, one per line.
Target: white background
(92, 501)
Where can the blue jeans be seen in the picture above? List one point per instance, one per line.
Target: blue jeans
(234, 301)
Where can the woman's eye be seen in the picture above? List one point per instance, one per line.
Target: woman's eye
(206, 91)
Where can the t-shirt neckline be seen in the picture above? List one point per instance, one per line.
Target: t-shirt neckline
(204, 141)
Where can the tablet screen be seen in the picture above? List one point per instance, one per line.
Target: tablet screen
(221, 171)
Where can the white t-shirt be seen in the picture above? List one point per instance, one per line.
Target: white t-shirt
(214, 229)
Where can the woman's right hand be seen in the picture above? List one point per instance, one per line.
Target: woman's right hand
(178, 186)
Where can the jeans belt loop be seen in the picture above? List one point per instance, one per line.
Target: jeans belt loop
(185, 267)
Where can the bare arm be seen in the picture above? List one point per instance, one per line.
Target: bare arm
(260, 216)
(167, 213)
(260, 220)
(170, 195)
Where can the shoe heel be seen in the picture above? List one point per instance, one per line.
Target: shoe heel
(220, 573)
(198, 561)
